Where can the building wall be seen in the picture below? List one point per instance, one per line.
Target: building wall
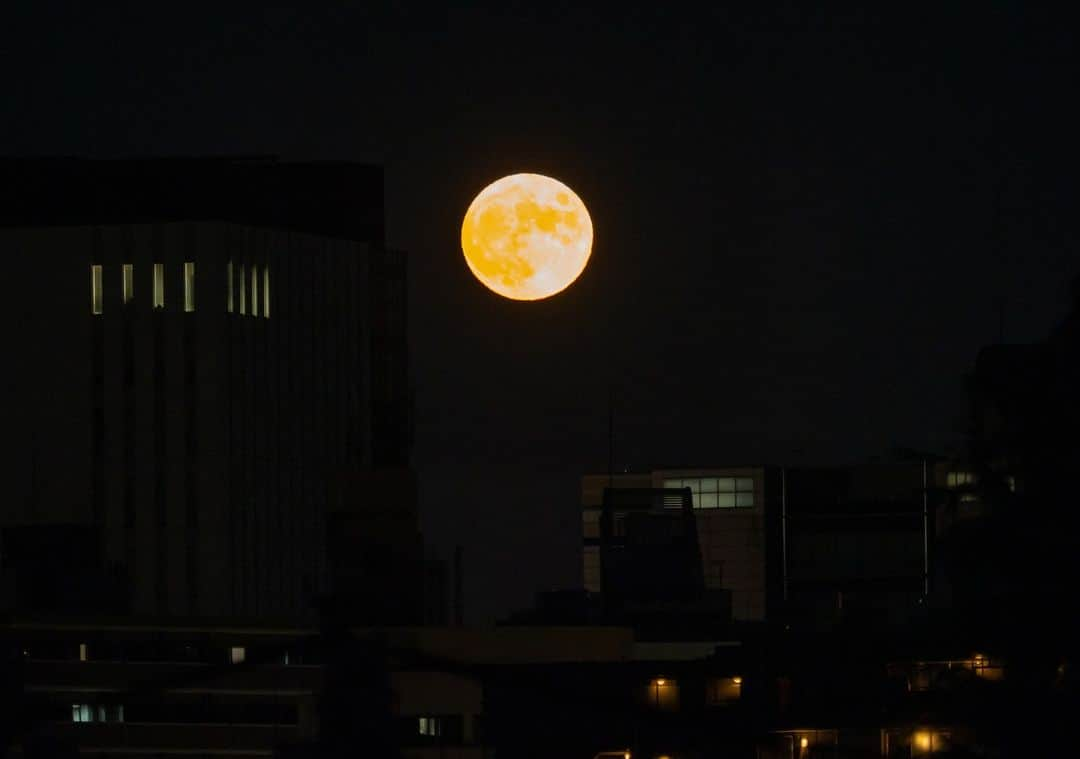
(202, 443)
(855, 539)
(732, 540)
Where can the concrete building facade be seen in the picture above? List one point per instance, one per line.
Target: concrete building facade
(197, 370)
(729, 506)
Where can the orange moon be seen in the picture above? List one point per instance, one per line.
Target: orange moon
(527, 236)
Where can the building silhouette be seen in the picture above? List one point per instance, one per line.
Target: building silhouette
(812, 546)
(204, 349)
(732, 538)
(1010, 554)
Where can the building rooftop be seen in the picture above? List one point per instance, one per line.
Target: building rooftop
(330, 198)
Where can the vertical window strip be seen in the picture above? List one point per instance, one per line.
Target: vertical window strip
(228, 288)
(254, 289)
(159, 285)
(266, 291)
(243, 292)
(189, 286)
(97, 300)
(128, 284)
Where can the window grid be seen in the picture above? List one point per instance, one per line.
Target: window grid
(717, 492)
(960, 479)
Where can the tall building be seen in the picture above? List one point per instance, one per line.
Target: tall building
(203, 349)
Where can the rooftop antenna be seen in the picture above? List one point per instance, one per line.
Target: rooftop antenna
(611, 435)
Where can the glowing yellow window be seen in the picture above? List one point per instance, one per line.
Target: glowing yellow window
(663, 694)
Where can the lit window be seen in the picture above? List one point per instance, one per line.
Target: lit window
(82, 652)
(98, 713)
(254, 290)
(960, 479)
(717, 492)
(228, 287)
(663, 694)
(1011, 482)
(430, 726)
(159, 285)
(266, 292)
(237, 654)
(189, 286)
(724, 690)
(128, 286)
(96, 297)
(243, 292)
(986, 669)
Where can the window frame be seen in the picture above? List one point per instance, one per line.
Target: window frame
(728, 491)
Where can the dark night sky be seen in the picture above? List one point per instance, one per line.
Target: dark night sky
(796, 252)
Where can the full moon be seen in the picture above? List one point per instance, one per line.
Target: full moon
(527, 236)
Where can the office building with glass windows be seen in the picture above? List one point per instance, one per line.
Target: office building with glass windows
(201, 348)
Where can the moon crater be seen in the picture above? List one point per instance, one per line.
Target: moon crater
(527, 236)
